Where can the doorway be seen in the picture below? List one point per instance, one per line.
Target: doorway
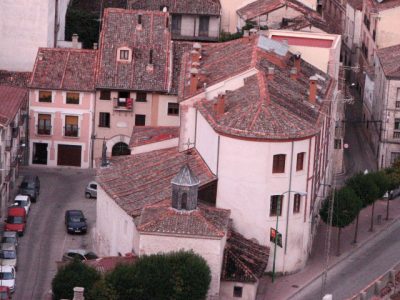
(39, 155)
(120, 149)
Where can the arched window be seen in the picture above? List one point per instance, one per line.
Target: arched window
(120, 149)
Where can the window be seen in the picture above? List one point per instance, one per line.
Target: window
(71, 126)
(338, 144)
(276, 205)
(141, 97)
(45, 96)
(72, 98)
(173, 109)
(300, 161)
(296, 204)
(203, 26)
(394, 156)
(397, 104)
(44, 124)
(124, 54)
(176, 24)
(104, 119)
(396, 124)
(140, 120)
(279, 163)
(105, 95)
(398, 94)
(237, 291)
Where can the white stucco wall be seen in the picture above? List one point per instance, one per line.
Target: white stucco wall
(155, 146)
(211, 250)
(249, 290)
(115, 230)
(388, 21)
(26, 25)
(163, 119)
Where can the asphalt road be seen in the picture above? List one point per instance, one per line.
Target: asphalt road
(359, 269)
(45, 238)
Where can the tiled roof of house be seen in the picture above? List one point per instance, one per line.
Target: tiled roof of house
(190, 7)
(263, 108)
(390, 60)
(135, 181)
(143, 135)
(152, 38)
(18, 79)
(384, 5)
(244, 260)
(11, 100)
(206, 221)
(179, 49)
(64, 69)
(108, 263)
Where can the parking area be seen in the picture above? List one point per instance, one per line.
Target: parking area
(45, 239)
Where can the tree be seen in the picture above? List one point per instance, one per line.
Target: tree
(101, 290)
(71, 275)
(345, 207)
(393, 175)
(176, 275)
(366, 189)
(382, 181)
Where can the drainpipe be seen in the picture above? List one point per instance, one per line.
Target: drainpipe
(289, 194)
(56, 28)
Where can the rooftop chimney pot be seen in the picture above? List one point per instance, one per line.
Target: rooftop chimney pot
(313, 90)
(95, 46)
(197, 46)
(220, 107)
(194, 80)
(195, 56)
(297, 60)
(75, 41)
(271, 72)
(293, 73)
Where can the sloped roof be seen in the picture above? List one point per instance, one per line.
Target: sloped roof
(244, 260)
(17, 79)
(276, 108)
(143, 135)
(390, 60)
(185, 177)
(120, 30)
(190, 7)
(135, 181)
(11, 100)
(205, 221)
(64, 69)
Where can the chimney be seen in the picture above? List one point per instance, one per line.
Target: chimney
(194, 80)
(313, 90)
(271, 72)
(220, 107)
(197, 47)
(95, 46)
(297, 59)
(75, 42)
(150, 65)
(40, 56)
(293, 73)
(195, 56)
(78, 293)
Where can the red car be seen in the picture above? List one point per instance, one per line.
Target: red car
(5, 293)
(16, 219)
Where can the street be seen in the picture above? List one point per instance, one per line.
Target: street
(359, 269)
(45, 238)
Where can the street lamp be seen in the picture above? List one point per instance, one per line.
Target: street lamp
(278, 212)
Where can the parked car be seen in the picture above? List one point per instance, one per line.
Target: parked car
(8, 255)
(23, 201)
(91, 190)
(30, 186)
(80, 254)
(16, 220)
(10, 237)
(394, 193)
(5, 293)
(75, 221)
(7, 277)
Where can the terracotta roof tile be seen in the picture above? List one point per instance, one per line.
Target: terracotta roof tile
(203, 7)
(136, 181)
(11, 100)
(390, 60)
(64, 69)
(18, 79)
(120, 30)
(108, 263)
(143, 135)
(244, 260)
(204, 221)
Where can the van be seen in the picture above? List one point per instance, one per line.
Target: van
(16, 220)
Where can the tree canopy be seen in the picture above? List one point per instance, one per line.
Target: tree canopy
(365, 188)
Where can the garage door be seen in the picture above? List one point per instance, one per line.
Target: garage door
(69, 155)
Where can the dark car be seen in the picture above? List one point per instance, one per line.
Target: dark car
(30, 186)
(75, 221)
(80, 254)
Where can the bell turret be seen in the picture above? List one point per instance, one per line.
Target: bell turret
(185, 186)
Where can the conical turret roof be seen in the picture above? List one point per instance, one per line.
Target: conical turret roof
(185, 177)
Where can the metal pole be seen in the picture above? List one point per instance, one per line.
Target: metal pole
(278, 209)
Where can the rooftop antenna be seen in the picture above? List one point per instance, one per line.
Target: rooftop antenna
(188, 144)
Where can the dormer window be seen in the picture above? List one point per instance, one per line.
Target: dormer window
(124, 54)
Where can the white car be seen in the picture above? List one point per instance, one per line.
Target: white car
(23, 201)
(8, 255)
(7, 277)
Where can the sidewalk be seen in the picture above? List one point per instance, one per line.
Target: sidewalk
(286, 286)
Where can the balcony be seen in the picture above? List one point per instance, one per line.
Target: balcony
(43, 129)
(396, 134)
(123, 104)
(71, 130)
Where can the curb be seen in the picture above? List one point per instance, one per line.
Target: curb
(349, 253)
